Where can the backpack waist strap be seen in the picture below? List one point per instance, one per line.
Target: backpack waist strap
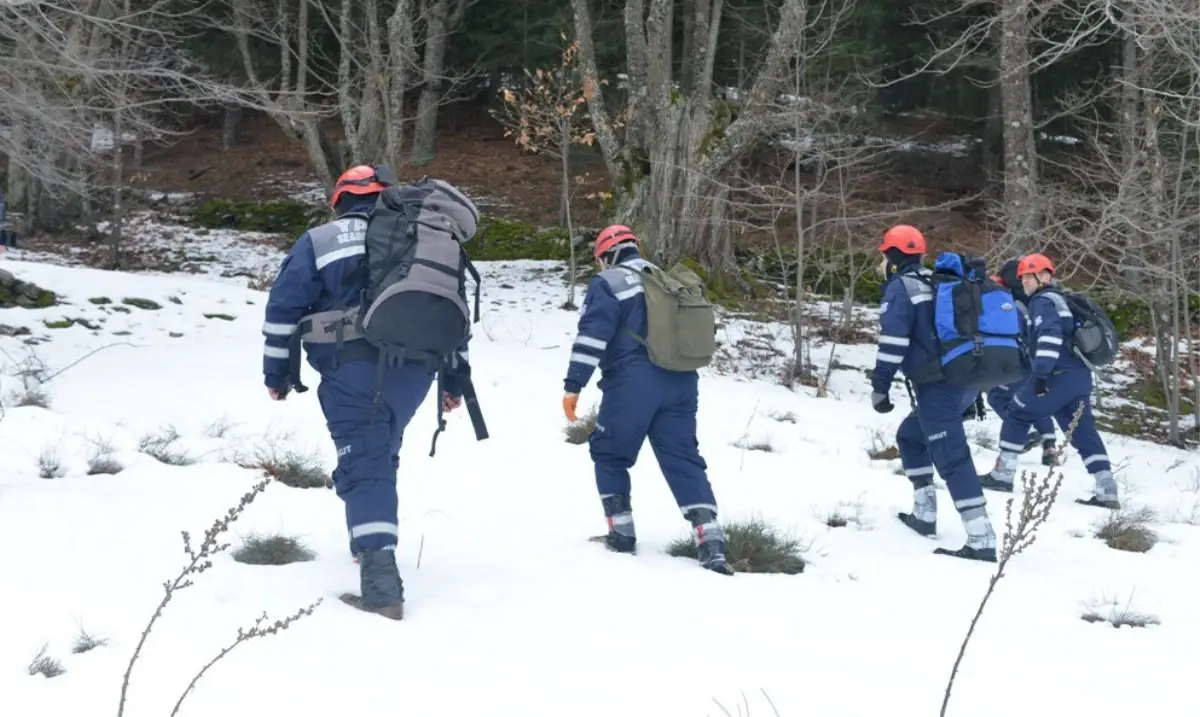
(329, 327)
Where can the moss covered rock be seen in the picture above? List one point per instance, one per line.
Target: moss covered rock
(280, 217)
(508, 240)
(23, 294)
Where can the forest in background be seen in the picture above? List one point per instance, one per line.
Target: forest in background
(749, 137)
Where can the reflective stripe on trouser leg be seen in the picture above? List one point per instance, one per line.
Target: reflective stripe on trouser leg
(980, 534)
(619, 513)
(1005, 469)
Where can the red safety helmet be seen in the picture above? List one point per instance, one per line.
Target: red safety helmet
(907, 239)
(1035, 263)
(610, 237)
(362, 179)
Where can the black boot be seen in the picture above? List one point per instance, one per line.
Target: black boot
(382, 588)
(1048, 457)
(618, 512)
(1032, 440)
(989, 482)
(710, 540)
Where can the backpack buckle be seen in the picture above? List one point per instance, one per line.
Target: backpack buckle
(977, 350)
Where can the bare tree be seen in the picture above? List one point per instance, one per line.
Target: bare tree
(678, 150)
(1128, 214)
(78, 80)
(548, 115)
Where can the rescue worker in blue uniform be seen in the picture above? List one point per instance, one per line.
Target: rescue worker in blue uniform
(1000, 397)
(323, 272)
(932, 435)
(1060, 383)
(639, 400)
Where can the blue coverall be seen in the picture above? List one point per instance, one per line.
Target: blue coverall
(932, 435)
(1061, 382)
(639, 400)
(319, 270)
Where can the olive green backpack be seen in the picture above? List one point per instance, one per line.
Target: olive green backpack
(681, 325)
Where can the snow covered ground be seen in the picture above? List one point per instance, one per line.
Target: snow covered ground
(511, 611)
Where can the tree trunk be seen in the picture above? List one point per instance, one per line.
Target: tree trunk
(117, 220)
(674, 167)
(437, 31)
(231, 126)
(400, 67)
(1020, 154)
(1131, 150)
(566, 203)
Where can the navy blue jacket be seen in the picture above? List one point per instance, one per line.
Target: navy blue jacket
(1051, 333)
(615, 301)
(318, 272)
(906, 335)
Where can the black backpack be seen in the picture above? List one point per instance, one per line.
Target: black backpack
(1095, 340)
(413, 306)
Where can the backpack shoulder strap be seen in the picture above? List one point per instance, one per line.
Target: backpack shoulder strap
(1060, 303)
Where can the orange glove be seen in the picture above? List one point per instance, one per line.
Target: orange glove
(570, 401)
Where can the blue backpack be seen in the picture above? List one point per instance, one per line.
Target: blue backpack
(976, 326)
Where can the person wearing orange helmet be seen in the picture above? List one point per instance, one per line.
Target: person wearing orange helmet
(1000, 397)
(932, 436)
(639, 400)
(367, 404)
(1060, 384)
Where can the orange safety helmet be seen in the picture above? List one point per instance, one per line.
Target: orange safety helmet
(1035, 263)
(907, 239)
(358, 180)
(610, 237)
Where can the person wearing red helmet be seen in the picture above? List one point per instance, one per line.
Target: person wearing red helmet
(1000, 397)
(932, 436)
(367, 404)
(1061, 382)
(639, 400)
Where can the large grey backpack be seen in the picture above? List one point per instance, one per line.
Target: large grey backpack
(414, 305)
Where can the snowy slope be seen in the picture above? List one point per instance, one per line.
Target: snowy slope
(511, 611)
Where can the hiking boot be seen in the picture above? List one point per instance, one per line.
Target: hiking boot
(712, 556)
(617, 543)
(985, 555)
(1032, 440)
(382, 588)
(1049, 459)
(618, 513)
(1096, 502)
(710, 540)
(991, 482)
(924, 528)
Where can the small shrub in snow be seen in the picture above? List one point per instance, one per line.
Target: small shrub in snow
(162, 445)
(101, 460)
(1128, 530)
(45, 665)
(748, 443)
(50, 463)
(290, 468)
(199, 560)
(881, 448)
(783, 416)
(272, 550)
(218, 428)
(751, 546)
(1117, 614)
(30, 395)
(86, 642)
(580, 431)
(846, 513)
(983, 438)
